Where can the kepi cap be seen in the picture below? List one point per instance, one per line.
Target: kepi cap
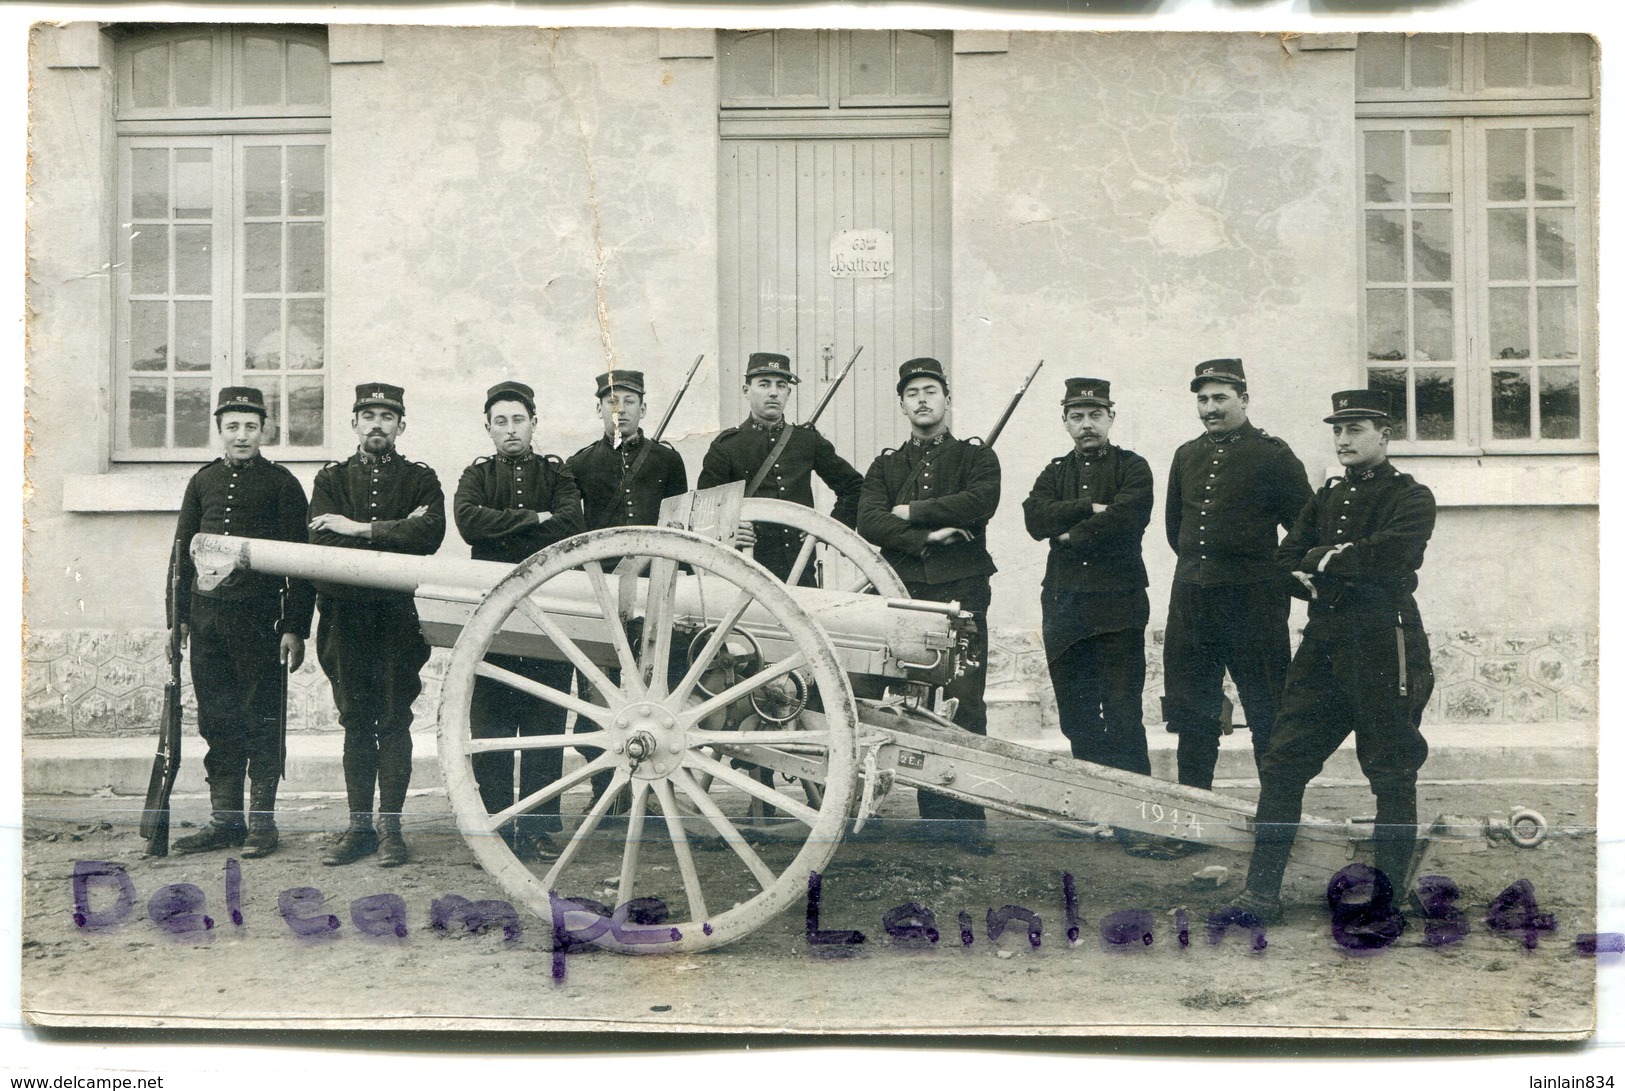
(916, 368)
(511, 391)
(240, 399)
(769, 363)
(1222, 371)
(1087, 392)
(380, 394)
(623, 380)
(1359, 405)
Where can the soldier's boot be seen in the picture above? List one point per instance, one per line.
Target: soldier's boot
(226, 829)
(358, 841)
(391, 845)
(262, 832)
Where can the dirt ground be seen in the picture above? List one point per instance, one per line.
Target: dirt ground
(259, 972)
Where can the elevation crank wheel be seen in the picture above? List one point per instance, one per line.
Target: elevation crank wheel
(653, 735)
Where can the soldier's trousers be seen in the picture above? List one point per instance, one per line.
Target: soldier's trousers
(372, 654)
(1099, 685)
(974, 595)
(1241, 628)
(499, 711)
(235, 665)
(1343, 681)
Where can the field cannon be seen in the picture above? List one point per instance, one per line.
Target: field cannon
(746, 725)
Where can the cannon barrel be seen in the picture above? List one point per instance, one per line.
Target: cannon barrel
(888, 638)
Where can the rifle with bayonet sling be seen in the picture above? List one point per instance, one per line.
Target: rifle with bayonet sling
(1011, 408)
(665, 420)
(784, 434)
(166, 763)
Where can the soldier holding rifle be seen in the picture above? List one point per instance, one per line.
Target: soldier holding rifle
(242, 636)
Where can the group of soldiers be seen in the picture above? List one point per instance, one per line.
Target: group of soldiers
(1351, 549)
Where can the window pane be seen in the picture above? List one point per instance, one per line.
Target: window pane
(194, 72)
(1504, 60)
(1391, 381)
(869, 62)
(307, 74)
(914, 63)
(261, 71)
(1554, 165)
(1435, 324)
(149, 182)
(1554, 244)
(1384, 246)
(262, 186)
(797, 62)
(149, 259)
(149, 412)
(1550, 54)
(193, 423)
(1509, 243)
(262, 334)
(1430, 60)
(1431, 245)
(262, 257)
(749, 66)
(149, 78)
(194, 183)
(306, 334)
(194, 335)
(1430, 166)
(1559, 323)
(1385, 324)
(1504, 150)
(1509, 324)
(305, 261)
(1435, 403)
(272, 390)
(194, 261)
(149, 336)
(1384, 166)
(1559, 403)
(1509, 403)
(306, 411)
(1382, 60)
(307, 180)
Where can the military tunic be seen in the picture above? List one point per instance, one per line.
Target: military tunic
(1228, 609)
(609, 499)
(368, 640)
(1094, 600)
(737, 453)
(237, 625)
(946, 482)
(495, 508)
(1363, 666)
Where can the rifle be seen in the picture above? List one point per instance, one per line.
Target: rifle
(1011, 408)
(166, 763)
(784, 436)
(282, 671)
(664, 420)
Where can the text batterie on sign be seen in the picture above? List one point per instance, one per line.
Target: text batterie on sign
(861, 252)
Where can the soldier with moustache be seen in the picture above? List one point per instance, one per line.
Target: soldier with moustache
(368, 641)
(1092, 505)
(1364, 664)
(508, 505)
(737, 453)
(1229, 490)
(243, 632)
(927, 504)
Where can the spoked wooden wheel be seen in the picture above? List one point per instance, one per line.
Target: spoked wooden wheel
(655, 736)
(871, 570)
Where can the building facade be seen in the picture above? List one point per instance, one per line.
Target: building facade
(302, 208)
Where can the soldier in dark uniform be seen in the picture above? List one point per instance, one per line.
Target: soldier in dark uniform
(508, 506)
(368, 640)
(1092, 505)
(242, 636)
(611, 493)
(737, 453)
(1364, 664)
(1228, 491)
(926, 505)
